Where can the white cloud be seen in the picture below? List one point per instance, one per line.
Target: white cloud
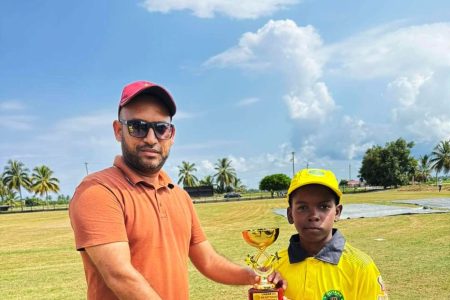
(387, 51)
(406, 71)
(406, 89)
(293, 51)
(206, 167)
(244, 9)
(240, 164)
(428, 119)
(248, 101)
(415, 60)
(314, 103)
(340, 138)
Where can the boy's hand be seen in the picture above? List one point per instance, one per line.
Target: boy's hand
(276, 279)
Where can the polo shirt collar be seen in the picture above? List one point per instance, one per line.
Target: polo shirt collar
(330, 253)
(134, 178)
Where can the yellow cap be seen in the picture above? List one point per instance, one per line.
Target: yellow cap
(315, 176)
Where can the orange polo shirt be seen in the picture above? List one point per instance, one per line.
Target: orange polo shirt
(159, 224)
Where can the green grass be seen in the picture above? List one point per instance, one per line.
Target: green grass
(38, 260)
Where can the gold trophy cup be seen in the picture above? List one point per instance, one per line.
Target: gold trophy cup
(262, 263)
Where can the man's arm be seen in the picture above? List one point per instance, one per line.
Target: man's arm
(113, 261)
(218, 268)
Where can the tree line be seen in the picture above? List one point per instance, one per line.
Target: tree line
(393, 164)
(16, 178)
(226, 180)
(223, 180)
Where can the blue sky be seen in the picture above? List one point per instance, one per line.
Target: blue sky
(253, 80)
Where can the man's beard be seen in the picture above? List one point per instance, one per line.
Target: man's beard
(137, 163)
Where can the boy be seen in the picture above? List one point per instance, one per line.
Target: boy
(319, 263)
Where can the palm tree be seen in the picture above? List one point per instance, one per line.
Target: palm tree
(4, 191)
(424, 168)
(225, 173)
(11, 197)
(186, 174)
(43, 182)
(441, 157)
(16, 177)
(208, 180)
(238, 186)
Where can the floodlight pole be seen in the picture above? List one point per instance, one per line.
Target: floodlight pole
(86, 166)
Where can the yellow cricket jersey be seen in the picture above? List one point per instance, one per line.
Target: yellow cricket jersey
(338, 272)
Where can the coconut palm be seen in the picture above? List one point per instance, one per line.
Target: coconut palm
(16, 177)
(4, 191)
(441, 157)
(185, 175)
(424, 168)
(11, 198)
(238, 186)
(225, 174)
(43, 182)
(207, 180)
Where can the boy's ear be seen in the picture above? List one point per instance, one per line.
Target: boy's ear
(338, 212)
(289, 215)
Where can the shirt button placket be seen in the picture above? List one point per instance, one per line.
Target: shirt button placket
(161, 206)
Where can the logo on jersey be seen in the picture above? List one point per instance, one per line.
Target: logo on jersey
(333, 295)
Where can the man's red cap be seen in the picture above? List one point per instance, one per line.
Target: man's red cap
(130, 91)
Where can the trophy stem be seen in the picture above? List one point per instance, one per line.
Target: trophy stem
(262, 263)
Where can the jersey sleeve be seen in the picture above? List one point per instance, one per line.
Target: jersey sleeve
(96, 216)
(371, 284)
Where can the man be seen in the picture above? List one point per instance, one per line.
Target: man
(134, 228)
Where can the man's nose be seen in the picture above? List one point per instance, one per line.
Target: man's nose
(151, 138)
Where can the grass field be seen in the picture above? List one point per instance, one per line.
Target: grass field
(38, 260)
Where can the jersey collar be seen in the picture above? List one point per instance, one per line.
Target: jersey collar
(330, 253)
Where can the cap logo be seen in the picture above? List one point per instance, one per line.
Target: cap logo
(316, 172)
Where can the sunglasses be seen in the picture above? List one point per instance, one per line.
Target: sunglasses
(139, 129)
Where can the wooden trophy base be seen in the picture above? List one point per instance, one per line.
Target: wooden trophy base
(265, 294)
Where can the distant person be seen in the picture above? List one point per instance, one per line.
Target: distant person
(319, 263)
(440, 184)
(135, 228)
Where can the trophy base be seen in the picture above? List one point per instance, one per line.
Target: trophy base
(265, 294)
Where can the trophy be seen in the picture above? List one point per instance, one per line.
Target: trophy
(262, 263)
